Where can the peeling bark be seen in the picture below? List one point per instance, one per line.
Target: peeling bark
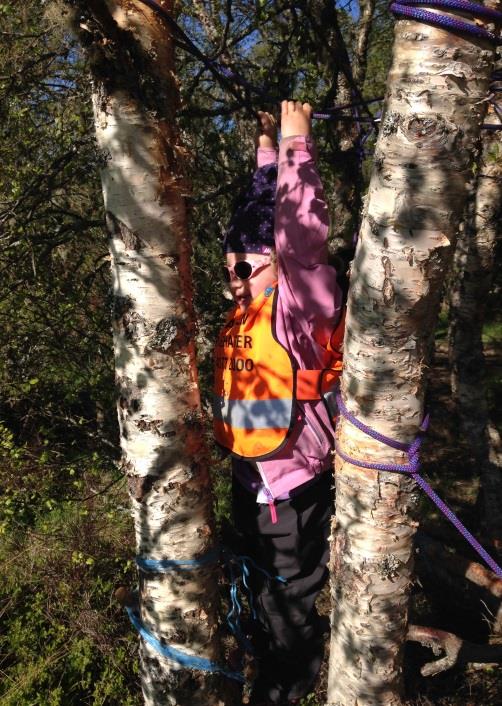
(432, 117)
(135, 97)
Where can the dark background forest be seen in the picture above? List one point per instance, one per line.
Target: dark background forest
(66, 539)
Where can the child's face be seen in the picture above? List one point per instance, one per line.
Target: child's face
(263, 276)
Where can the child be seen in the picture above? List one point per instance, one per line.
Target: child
(271, 362)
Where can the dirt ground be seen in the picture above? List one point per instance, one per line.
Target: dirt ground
(456, 608)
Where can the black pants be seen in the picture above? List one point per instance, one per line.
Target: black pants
(289, 640)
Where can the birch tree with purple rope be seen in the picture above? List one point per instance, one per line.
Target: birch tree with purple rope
(432, 117)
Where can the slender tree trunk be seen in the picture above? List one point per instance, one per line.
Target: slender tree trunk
(367, 10)
(135, 97)
(348, 193)
(473, 274)
(423, 157)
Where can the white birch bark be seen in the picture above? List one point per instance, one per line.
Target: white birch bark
(135, 97)
(432, 117)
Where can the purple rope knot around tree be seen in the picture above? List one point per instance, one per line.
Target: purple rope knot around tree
(412, 467)
(408, 8)
(412, 450)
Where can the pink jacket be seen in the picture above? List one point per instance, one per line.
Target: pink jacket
(308, 308)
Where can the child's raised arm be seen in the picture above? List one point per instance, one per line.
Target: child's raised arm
(266, 134)
(266, 140)
(302, 223)
(307, 284)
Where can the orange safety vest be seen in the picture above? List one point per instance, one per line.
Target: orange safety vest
(256, 381)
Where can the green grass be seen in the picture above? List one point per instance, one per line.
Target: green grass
(492, 332)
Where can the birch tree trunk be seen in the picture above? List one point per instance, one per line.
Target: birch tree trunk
(423, 158)
(473, 275)
(135, 96)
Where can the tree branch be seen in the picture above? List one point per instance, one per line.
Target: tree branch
(457, 651)
(460, 565)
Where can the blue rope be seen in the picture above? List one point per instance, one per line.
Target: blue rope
(243, 561)
(162, 565)
(185, 660)
(233, 615)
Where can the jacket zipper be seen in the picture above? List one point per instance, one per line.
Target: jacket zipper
(268, 494)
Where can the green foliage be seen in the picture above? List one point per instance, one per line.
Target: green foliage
(494, 153)
(380, 50)
(310, 700)
(492, 332)
(64, 549)
(56, 364)
(65, 534)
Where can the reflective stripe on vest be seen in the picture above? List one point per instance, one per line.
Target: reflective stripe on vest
(254, 382)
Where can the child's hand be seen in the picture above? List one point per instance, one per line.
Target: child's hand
(267, 131)
(296, 119)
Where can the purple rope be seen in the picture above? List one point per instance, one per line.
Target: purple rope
(408, 9)
(496, 108)
(413, 468)
(463, 5)
(226, 75)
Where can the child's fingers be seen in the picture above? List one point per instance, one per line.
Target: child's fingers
(270, 119)
(266, 120)
(291, 106)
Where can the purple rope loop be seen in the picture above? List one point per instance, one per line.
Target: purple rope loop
(413, 468)
(408, 8)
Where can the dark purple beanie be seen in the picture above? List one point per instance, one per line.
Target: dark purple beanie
(251, 226)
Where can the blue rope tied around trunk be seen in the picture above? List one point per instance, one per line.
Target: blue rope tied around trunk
(182, 658)
(243, 564)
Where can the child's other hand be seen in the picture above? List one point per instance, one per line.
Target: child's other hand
(267, 131)
(296, 118)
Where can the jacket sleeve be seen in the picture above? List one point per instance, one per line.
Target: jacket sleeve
(310, 298)
(265, 156)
